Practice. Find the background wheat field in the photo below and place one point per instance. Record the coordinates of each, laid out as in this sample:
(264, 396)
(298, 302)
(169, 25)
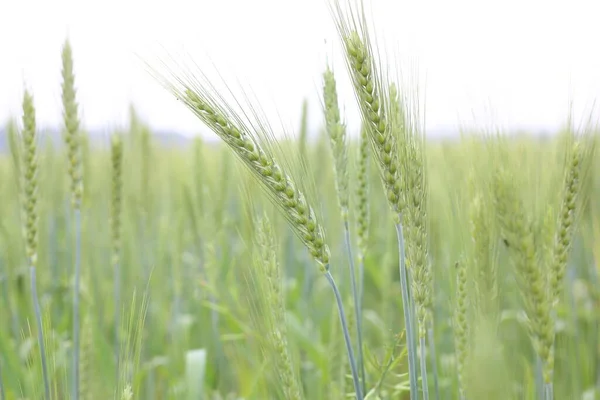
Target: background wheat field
(179, 273)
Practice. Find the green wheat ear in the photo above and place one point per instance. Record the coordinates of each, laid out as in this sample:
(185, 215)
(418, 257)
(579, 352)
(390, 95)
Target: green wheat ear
(30, 182)
(362, 193)
(374, 107)
(71, 121)
(337, 139)
(115, 225)
(566, 220)
(517, 226)
(278, 185)
(372, 95)
(461, 326)
(269, 283)
(249, 141)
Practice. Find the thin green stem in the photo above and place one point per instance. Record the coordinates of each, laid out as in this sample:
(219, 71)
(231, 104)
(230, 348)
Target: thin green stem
(2, 394)
(117, 321)
(38, 319)
(539, 379)
(76, 327)
(361, 292)
(340, 305)
(549, 391)
(357, 307)
(431, 339)
(571, 276)
(408, 320)
(423, 357)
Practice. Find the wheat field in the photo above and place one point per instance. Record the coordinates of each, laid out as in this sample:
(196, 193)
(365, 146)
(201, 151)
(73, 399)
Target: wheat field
(369, 263)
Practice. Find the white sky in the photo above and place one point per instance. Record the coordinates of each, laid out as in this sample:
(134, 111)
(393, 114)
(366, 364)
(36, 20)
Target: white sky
(522, 59)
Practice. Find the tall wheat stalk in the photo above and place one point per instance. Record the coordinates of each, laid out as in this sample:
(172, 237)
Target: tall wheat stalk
(2, 391)
(517, 226)
(415, 190)
(73, 142)
(336, 131)
(115, 224)
(30, 205)
(370, 88)
(578, 162)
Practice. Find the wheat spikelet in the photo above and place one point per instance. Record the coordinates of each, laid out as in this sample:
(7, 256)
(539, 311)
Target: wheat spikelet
(115, 225)
(460, 325)
(279, 186)
(566, 223)
(373, 103)
(71, 121)
(483, 244)
(362, 194)
(518, 229)
(30, 178)
(268, 309)
(337, 139)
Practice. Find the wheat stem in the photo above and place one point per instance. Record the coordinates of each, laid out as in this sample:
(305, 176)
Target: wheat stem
(73, 142)
(357, 310)
(76, 312)
(340, 306)
(2, 393)
(423, 359)
(409, 320)
(431, 339)
(38, 320)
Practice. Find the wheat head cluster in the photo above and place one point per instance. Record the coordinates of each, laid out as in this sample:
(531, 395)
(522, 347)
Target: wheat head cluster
(367, 262)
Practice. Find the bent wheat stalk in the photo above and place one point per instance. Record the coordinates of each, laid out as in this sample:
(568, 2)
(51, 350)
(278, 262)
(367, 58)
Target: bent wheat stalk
(245, 140)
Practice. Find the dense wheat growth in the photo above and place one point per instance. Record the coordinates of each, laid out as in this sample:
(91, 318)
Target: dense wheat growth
(366, 262)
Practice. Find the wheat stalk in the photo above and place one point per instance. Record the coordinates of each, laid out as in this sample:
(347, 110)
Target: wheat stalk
(243, 139)
(30, 204)
(73, 142)
(339, 149)
(371, 93)
(115, 224)
(579, 158)
(517, 227)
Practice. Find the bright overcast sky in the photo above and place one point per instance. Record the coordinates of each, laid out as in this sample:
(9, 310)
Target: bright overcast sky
(516, 63)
